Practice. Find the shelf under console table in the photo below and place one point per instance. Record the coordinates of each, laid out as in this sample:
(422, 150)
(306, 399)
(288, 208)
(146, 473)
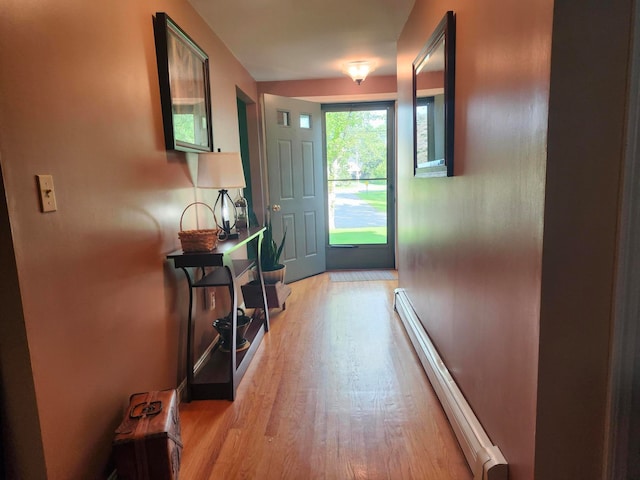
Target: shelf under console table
(218, 377)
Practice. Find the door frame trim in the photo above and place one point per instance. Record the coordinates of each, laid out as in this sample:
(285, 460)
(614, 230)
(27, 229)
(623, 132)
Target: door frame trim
(625, 364)
(354, 259)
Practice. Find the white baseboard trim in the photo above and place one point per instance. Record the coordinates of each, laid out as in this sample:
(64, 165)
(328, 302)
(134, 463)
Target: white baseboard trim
(181, 388)
(204, 357)
(485, 459)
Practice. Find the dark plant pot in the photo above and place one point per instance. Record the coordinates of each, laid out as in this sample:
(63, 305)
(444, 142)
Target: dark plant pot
(223, 326)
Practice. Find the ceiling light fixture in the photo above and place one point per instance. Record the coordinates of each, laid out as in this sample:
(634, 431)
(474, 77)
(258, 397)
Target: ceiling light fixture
(358, 71)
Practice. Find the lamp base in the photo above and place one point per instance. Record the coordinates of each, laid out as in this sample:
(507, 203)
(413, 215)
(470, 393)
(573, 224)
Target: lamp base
(224, 235)
(224, 201)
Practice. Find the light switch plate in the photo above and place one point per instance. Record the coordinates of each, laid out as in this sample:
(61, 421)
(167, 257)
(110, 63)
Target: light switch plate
(212, 298)
(47, 193)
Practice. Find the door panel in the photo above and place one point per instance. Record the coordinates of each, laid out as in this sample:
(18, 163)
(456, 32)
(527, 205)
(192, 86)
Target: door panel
(289, 225)
(310, 229)
(308, 177)
(295, 173)
(285, 162)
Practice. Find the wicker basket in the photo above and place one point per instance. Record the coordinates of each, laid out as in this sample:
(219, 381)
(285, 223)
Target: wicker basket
(197, 240)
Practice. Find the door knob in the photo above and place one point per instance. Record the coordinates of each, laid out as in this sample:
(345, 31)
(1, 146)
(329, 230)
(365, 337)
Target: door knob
(275, 208)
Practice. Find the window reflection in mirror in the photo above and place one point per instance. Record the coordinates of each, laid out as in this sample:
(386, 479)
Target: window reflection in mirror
(187, 77)
(430, 109)
(433, 102)
(185, 94)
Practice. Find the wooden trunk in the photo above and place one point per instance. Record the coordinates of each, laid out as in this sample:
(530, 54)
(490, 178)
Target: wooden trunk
(147, 444)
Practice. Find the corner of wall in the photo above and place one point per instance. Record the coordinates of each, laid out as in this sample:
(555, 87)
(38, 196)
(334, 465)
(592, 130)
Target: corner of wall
(19, 420)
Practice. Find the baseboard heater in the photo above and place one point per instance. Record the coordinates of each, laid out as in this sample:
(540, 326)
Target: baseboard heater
(485, 459)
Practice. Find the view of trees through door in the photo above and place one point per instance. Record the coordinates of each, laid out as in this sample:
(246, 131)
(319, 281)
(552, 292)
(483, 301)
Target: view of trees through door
(359, 166)
(356, 142)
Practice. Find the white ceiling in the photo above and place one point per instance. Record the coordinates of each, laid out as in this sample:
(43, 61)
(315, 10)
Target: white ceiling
(307, 39)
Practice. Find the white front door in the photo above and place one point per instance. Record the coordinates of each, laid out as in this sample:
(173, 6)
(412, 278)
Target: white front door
(296, 183)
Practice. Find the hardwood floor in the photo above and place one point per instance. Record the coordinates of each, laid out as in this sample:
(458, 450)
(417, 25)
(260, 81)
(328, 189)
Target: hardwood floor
(335, 392)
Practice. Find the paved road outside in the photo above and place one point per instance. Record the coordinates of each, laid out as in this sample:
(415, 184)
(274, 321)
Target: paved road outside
(352, 212)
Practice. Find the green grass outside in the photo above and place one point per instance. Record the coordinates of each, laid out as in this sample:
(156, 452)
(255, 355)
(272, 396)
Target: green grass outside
(364, 235)
(354, 236)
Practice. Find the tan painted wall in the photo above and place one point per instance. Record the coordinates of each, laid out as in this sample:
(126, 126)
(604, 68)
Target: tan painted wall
(104, 313)
(328, 87)
(510, 264)
(470, 246)
(99, 313)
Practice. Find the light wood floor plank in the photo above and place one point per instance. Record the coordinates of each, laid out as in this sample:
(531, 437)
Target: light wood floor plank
(335, 391)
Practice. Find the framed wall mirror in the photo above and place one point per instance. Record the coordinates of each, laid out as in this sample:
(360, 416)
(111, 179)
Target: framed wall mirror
(183, 72)
(433, 102)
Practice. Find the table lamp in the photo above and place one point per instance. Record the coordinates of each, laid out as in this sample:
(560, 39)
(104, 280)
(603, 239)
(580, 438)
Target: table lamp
(222, 170)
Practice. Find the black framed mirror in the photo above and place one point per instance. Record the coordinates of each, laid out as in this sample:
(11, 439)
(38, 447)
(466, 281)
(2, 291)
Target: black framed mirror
(183, 72)
(433, 102)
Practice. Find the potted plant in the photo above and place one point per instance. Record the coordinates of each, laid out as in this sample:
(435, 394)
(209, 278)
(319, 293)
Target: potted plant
(276, 291)
(272, 270)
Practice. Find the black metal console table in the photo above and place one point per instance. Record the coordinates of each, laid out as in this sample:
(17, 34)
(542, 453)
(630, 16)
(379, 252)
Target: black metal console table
(220, 374)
